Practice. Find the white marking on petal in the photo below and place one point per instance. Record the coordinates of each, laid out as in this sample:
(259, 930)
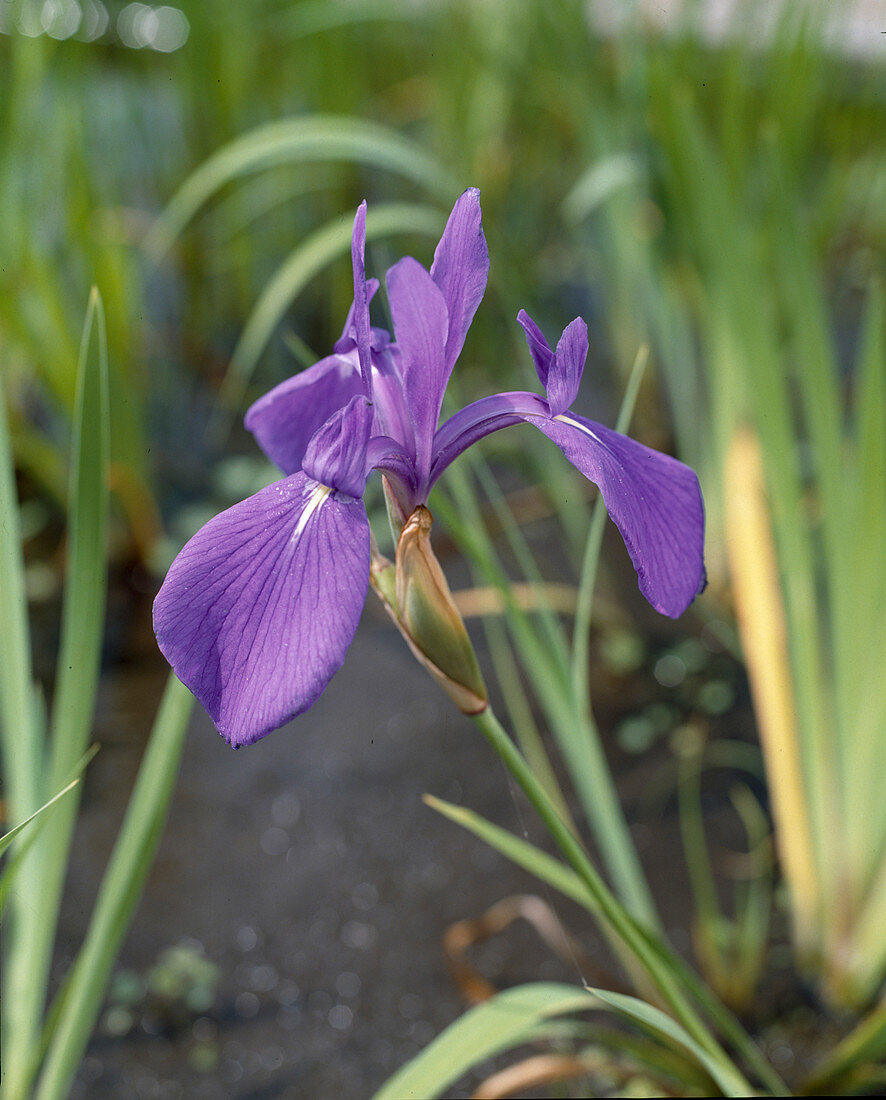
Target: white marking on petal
(575, 424)
(318, 494)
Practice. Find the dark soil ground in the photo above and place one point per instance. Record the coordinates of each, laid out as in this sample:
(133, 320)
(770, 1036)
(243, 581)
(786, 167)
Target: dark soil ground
(308, 871)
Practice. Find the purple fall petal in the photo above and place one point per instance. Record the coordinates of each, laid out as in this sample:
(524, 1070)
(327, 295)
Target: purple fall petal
(460, 270)
(284, 420)
(654, 500)
(420, 327)
(258, 610)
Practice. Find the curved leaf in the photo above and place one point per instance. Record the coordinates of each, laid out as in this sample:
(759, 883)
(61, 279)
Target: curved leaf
(502, 1022)
(312, 138)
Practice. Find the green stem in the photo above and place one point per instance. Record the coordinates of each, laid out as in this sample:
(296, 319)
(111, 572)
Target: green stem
(611, 909)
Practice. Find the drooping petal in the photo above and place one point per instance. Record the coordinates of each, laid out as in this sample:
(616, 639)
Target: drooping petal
(284, 420)
(258, 610)
(460, 270)
(479, 419)
(420, 326)
(336, 454)
(654, 500)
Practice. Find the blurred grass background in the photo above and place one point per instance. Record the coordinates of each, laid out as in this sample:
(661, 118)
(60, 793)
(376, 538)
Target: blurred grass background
(716, 192)
(655, 181)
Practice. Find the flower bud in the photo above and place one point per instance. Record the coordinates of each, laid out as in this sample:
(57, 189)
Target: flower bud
(427, 616)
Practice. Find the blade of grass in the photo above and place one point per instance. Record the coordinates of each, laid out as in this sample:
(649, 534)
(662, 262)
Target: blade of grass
(82, 621)
(634, 937)
(22, 751)
(118, 896)
(9, 871)
(863, 705)
(577, 738)
(730, 1082)
(81, 634)
(507, 1020)
(311, 138)
(9, 837)
(520, 714)
(864, 1044)
(521, 852)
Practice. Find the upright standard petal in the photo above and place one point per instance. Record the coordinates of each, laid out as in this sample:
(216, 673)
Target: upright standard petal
(420, 326)
(559, 372)
(654, 500)
(460, 270)
(361, 297)
(541, 353)
(284, 420)
(258, 610)
(569, 364)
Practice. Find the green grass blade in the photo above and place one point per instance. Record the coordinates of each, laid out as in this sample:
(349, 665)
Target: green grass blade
(298, 140)
(312, 255)
(22, 752)
(860, 687)
(730, 1081)
(864, 1044)
(501, 1023)
(78, 664)
(14, 863)
(119, 893)
(521, 852)
(642, 944)
(81, 633)
(9, 837)
(574, 730)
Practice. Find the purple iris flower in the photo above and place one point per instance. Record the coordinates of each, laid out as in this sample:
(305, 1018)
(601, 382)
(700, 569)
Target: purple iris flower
(259, 608)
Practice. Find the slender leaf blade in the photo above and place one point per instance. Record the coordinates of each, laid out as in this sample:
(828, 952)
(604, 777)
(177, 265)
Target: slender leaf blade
(502, 1022)
(119, 893)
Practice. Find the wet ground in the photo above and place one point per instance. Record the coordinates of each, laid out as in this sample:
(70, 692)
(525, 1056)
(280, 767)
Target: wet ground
(308, 871)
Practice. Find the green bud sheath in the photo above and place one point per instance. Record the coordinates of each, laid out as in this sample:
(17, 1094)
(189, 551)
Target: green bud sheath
(429, 619)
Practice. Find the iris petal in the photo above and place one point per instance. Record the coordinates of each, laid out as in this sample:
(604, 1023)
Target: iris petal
(654, 500)
(258, 610)
(420, 326)
(460, 270)
(284, 420)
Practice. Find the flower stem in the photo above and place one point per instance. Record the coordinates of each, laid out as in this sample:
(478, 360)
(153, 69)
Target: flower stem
(635, 938)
